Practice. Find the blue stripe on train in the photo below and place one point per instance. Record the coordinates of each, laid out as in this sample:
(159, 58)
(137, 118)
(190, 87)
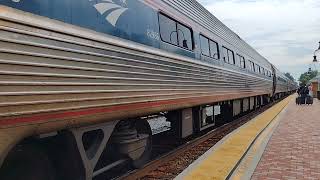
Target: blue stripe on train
(134, 20)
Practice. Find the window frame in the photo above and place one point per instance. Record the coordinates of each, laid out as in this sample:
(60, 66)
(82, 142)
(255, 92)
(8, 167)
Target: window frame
(160, 13)
(238, 57)
(191, 35)
(202, 36)
(218, 50)
(225, 54)
(228, 50)
(257, 67)
(253, 67)
(210, 47)
(242, 61)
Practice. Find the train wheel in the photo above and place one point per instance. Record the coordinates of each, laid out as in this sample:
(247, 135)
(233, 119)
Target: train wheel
(143, 127)
(27, 163)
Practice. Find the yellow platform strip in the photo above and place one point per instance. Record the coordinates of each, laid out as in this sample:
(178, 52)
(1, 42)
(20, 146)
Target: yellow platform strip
(248, 164)
(220, 163)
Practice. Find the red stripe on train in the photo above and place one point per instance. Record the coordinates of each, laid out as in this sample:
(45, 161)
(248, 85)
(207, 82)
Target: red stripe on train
(78, 113)
(46, 117)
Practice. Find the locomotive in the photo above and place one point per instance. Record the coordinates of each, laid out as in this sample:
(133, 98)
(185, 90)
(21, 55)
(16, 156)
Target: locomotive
(79, 79)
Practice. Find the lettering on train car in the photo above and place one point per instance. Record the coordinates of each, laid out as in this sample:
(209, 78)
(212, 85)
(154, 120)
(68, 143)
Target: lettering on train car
(153, 35)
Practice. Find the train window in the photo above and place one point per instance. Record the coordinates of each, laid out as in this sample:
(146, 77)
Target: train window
(242, 63)
(168, 30)
(175, 33)
(184, 37)
(228, 55)
(260, 70)
(214, 50)
(256, 68)
(253, 67)
(210, 48)
(225, 55)
(248, 65)
(204, 42)
(231, 57)
(237, 59)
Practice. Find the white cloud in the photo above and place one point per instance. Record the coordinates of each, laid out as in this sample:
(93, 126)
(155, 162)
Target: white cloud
(286, 32)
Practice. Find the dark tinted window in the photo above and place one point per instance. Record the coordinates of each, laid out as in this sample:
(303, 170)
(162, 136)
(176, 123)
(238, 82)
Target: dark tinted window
(184, 37)
(256, 68)
(225, 55)
(242, 63)
(175, 33)
(237, 59)
(204, 42)
(228, 56)
(231, 57)
(168, 30)
(214, 50)
(250, 65)
(253, 67)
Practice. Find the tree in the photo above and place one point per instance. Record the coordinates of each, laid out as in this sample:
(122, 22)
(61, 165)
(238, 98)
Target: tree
(288, 75)
(307, 76)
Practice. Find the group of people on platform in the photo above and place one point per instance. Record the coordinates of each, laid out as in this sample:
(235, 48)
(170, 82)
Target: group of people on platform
(305, 95)
(304, 90)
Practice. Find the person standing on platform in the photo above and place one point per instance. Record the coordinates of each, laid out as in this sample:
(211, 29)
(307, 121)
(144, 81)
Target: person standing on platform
(299, 90)
(310, 91)
(304, 92)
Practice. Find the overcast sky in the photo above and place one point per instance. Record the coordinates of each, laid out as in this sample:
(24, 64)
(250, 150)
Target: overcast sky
(286, 32)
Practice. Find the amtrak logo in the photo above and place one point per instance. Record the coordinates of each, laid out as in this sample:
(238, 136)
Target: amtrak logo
(113, 8)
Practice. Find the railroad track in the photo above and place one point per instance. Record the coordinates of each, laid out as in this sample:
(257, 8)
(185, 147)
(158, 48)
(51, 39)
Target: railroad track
(169, 165)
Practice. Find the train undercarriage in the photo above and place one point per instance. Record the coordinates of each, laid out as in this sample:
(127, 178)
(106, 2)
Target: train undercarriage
(91, 152)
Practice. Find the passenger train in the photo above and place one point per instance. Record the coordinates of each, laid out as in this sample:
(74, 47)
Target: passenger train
(79, 79)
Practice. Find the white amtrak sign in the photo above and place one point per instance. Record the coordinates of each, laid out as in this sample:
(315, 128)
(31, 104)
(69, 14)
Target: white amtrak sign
(114, 9)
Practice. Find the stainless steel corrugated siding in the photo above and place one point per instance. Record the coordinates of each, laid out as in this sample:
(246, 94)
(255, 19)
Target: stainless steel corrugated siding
(49, 71)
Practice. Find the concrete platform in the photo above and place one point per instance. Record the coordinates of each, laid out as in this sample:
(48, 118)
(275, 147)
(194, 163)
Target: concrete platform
(281, 143)
(293, 152)
(237, 155)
